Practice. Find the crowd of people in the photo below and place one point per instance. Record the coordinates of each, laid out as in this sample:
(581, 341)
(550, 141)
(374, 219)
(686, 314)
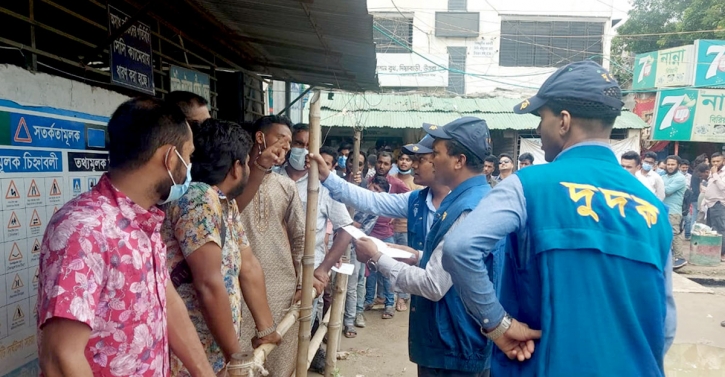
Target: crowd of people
(189, 250)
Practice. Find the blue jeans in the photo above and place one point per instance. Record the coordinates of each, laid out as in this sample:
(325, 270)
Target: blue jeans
(355, 291)
(687, 225)
(430, 372)
(372, 282)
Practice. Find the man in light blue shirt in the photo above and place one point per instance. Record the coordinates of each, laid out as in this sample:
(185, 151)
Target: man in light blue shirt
(675, 187)
(588, 261)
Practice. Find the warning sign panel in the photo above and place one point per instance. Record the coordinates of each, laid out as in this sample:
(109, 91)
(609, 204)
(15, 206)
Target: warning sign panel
(34, 282)
(54, 187)
(18, 316)
(4, 324)
(16, 258)
(33, 247)
(14, 222)
(36, 221)
(13, 190)
(36, 193)
(18, 286)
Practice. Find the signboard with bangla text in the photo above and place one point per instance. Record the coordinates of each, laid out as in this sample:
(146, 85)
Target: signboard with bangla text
(132, 65)
(47, 157)
(710, 65)
(190, 81)
(411, 70)
(690, 115)
(674, 66)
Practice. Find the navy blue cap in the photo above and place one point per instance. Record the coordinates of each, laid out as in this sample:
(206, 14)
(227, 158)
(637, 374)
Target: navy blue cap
(424, 146)
(585, 80)
(471, 132)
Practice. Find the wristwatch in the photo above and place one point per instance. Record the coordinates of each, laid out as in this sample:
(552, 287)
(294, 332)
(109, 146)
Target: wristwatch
(372, 265)
(267, 331)
(500, 330)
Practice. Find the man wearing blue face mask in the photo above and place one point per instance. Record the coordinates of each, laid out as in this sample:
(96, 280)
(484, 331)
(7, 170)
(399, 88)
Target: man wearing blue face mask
(103, 277)
(651, 179)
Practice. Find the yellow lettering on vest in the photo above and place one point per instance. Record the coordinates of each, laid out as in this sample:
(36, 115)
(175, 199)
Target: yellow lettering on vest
(577, 192)
(649, 212)
(615, 198)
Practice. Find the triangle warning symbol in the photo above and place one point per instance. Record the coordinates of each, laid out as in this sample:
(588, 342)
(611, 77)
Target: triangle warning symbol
(14, 223)
(55, 188)
(35, 220)
(18, 315)
(15, 254)
(12, 192)
(17, 282)
(36, 247)
(36, 277)
(22, 129)
(33, 191)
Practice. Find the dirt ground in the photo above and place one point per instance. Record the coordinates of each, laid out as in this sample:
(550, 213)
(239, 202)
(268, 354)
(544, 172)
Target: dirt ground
(381, 348)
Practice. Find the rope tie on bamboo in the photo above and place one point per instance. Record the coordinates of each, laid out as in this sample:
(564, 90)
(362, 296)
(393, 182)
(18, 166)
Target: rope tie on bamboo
(308, 260)
(244, 365)
(309, 316)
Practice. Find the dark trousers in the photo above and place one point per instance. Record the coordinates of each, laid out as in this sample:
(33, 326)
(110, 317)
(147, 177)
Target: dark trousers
(430, 372)
(716, 220)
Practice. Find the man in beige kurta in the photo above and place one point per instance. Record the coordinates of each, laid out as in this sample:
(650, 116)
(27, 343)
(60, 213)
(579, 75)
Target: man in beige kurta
(275, 222)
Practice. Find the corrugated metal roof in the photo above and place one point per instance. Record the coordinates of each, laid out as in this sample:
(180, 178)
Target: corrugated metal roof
(411, 110)
(325, 43)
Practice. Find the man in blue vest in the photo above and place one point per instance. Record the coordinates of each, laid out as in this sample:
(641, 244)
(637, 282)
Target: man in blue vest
(443, 339)
(589, 259)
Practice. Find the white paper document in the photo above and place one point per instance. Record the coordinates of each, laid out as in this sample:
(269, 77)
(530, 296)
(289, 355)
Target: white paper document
(345, 269)
(382, 247)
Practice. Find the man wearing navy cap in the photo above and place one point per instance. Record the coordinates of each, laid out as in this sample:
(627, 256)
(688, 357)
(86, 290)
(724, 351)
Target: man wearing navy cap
(443, 340)
(601, 297)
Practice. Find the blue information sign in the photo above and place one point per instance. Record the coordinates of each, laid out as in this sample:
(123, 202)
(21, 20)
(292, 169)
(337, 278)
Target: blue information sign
(30, 161)
(190, 81)
(131, 63)
(39, 131)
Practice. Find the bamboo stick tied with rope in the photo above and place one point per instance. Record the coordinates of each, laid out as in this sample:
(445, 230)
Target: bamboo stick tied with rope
(308, 260)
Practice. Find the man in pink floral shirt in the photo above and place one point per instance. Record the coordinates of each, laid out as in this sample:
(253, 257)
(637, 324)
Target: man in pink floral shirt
(106, 306)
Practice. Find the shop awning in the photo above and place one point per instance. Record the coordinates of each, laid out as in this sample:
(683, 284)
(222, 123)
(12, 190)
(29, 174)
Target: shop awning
(325, 43)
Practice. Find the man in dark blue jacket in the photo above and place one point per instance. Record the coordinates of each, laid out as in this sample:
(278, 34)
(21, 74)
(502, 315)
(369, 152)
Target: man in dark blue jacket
(443, 339)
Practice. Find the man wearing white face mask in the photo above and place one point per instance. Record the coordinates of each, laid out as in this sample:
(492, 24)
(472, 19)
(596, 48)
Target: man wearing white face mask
(327, 209)
(649, 177)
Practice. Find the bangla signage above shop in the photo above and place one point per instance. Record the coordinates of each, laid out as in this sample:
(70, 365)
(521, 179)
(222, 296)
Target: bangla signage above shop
(690, 115)
(665, 68)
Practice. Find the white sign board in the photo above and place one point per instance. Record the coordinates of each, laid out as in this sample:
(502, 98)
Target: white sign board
(412, 70)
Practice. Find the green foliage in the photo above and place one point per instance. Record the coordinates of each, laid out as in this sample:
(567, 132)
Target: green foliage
(659, 24)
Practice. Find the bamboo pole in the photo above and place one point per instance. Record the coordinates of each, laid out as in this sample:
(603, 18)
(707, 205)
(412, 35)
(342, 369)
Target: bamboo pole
(316, 341)
(337, 307)
(246, 364)
(308, 260)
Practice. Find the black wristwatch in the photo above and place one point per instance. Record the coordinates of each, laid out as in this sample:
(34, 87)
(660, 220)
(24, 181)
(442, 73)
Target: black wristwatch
(372, 265)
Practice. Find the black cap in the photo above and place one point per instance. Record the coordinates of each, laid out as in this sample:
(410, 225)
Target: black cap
(471, 132)
(586, 81)
(424, 146)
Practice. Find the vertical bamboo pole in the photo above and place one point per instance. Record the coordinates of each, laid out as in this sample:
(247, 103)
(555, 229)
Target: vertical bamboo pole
(308, 260)
(337, 307)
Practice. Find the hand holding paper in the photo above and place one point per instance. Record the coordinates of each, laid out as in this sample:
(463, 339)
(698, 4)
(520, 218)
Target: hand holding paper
(382, 247)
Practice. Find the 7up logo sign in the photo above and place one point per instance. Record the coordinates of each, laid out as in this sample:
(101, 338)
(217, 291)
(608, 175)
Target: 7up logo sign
(717, 64)
(675, 114)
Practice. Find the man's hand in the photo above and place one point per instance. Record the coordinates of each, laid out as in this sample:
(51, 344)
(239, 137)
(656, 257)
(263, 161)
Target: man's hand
(298, 296)
(357, 178)
(410, 261)
(322, 277)
(365, 249)
(321, 165)
(518, 341)
(274, 154)
(273, 338)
